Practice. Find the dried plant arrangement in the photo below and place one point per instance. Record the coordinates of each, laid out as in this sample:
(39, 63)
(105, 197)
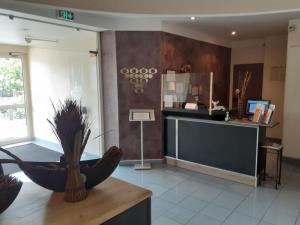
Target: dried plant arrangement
(72, 130)
(73, 176)
(9, 189)
(241, 92)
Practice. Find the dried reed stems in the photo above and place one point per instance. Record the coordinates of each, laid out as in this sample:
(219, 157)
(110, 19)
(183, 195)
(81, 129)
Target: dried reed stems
(245, 84)
(9, 189)
(7, 181)
(72, 130)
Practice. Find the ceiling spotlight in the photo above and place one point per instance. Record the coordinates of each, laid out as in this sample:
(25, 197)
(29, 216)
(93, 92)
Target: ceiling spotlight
(193, 18)
(233, 33)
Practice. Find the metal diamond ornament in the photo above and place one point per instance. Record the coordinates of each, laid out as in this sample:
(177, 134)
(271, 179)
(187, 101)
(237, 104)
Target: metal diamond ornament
(138, 77)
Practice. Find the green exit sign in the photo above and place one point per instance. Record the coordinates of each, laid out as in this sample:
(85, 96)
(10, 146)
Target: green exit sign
(65, 15)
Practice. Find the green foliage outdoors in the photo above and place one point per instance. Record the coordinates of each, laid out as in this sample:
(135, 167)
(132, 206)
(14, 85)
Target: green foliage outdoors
(11, 79)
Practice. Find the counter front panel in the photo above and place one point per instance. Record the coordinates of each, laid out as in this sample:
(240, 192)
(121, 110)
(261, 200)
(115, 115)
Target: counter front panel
(223, 146)
(170, 138)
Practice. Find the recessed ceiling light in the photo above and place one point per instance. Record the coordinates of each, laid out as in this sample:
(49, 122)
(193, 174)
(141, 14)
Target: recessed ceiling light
(233, 33)
(193, 18)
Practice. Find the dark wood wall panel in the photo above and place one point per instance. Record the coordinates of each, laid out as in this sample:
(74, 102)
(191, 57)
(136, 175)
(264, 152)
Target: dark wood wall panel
(162, 51)
(204, 58)
(139, 49)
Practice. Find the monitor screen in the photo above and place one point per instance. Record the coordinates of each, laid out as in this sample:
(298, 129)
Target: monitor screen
(252, 105)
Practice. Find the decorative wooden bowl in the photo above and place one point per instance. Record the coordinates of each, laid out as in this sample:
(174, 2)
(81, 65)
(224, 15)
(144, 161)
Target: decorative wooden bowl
(94, 171)
(9, 190)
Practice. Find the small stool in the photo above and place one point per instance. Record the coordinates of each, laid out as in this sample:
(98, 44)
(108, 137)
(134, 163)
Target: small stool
(277, 149)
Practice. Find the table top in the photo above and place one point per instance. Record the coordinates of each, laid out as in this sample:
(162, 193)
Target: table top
(38, 206)
(245, 121)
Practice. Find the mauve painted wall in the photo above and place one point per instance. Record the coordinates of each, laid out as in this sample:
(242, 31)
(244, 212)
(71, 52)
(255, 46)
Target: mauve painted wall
(162, 51)
(139, 49)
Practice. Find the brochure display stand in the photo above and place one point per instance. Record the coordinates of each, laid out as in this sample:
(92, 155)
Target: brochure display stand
(141, 115)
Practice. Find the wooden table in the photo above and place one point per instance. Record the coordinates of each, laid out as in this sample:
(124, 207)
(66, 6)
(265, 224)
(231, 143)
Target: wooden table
(112, 202)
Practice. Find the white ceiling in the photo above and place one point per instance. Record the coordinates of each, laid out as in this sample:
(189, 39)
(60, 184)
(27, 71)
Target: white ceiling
(14, 31)
(171, 7)
(247, 27)
(252, 26)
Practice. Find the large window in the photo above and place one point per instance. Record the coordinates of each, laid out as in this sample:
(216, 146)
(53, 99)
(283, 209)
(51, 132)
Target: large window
(13, 113)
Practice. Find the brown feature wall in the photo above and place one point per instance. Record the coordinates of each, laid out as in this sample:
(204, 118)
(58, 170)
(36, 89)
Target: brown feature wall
(162, 51)
(204, 58)
(139, 49)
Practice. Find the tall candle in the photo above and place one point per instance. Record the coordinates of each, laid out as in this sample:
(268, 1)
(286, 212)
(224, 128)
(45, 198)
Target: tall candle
(211, 91)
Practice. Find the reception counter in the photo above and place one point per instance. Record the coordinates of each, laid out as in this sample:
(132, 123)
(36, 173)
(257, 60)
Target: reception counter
(225, 149)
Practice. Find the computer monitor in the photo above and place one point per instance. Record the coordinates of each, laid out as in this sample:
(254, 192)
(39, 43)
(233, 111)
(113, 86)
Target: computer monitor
(253, 103)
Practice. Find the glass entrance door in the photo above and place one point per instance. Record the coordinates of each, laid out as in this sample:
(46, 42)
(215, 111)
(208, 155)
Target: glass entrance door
(13, 113)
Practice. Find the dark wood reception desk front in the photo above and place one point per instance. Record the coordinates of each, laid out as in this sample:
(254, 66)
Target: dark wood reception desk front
(230, 150)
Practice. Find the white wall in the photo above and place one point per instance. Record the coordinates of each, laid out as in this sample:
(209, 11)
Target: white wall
(270, 51)
(4, 49)
(291, 127)
(273, 83)
(59, 74)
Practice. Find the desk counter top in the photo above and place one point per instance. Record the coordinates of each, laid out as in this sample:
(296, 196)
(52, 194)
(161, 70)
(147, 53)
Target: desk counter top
(38, 206)
(248, 122)
(217, 117)
(237, 122)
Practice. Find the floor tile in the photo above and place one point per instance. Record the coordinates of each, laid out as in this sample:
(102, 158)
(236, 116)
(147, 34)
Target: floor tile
(187, 197)
(157, 190)
(173, 196)
(229, 200)
(288, 205)
(264, 194)
(216, 212)
(159, 207)
(179, 177)
(193, 204)
(207, 193)
(164, 221)
(239, 219)
(167, 182)
(252, 207)
(187, 187)
(201, 219)
(179, 214)
(241, 188)
(279, 218)
(264, 223)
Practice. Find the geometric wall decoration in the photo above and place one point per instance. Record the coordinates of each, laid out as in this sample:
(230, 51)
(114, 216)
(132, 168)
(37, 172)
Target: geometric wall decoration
(138, 77)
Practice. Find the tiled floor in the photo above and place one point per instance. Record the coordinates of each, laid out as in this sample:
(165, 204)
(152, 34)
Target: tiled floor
(185, 197)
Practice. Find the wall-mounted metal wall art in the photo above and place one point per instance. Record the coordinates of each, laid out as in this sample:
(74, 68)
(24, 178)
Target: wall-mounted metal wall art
(138, 77)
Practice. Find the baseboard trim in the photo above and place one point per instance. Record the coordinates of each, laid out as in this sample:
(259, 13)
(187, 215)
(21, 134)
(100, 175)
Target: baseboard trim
(292, 161)
(225, 174)
(132, 162)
